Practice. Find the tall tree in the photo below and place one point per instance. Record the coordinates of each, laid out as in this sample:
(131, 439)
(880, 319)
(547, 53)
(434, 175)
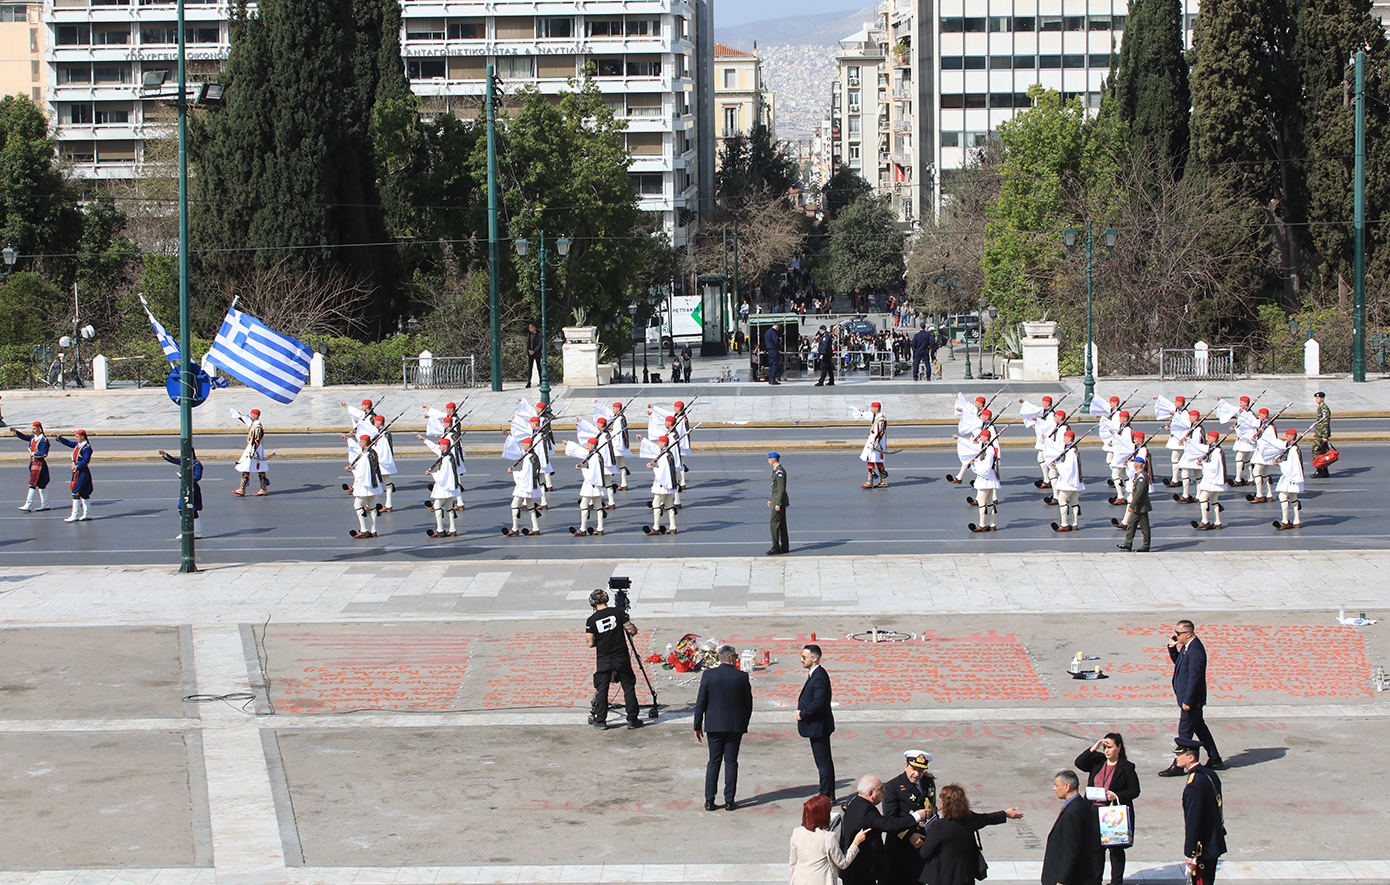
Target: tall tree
(287, 170)
(755, 164)
(843, 188)
(865, 247)
(1246, 120)
(38, 206)
(1151, 87)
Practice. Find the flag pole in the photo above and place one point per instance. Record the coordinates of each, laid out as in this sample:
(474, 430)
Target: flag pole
(188, 565)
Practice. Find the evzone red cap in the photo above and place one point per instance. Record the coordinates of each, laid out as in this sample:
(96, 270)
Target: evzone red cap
(450, 406)
(37, 424)
(1138, 435)
(663, 439)
(1194, 414)
(444, 443)
(875, 405)
(526, 441)
(1061, 416)
(986, 414)
(367, 403)
(537, 420)
(979, 399)
(1180, 400)
(984, 434)
(603, 421)
(1291, 432)
(255, 411)
(1263, 412)
(1069, 433)
(1047, 399)
(378, 419)
(1114, 399)
(79, 433)
(1124, 414)
(593, 440)
(670, 419)
(364, 438)
(1245, 399)
(1212, 434)
(617, 407)
(679, 404)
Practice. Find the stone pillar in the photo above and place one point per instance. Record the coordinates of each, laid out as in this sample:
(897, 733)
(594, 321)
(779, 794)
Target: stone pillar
(101, 373)
(425, 376)
(1201, 360)
(316, 370)
(1040, 358)
(1312, 358)
(581, 356)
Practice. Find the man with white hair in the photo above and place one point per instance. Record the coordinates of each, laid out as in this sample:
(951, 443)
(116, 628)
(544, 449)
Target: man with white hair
(862, 814)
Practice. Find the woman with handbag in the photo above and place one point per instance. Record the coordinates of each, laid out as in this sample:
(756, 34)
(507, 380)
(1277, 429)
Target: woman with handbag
(951, 847)
(816, 858)
(1112, 771)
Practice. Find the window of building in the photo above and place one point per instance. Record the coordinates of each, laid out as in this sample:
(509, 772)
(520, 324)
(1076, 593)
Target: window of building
(999, 24)
(111, 36)
(464, 31)
(951, 100)
(852, 96)
(644, 68)
(1001, 62)
(74, 74)
(1049, 62)
(111, 74)
(555, 67)
(730, 78)
(1074, 23)
(853, 127)
(950, 139)
(952, 62)
(643, 105)
(976, 139)
(976, 100)
(1100, 23)
(852, 72)
(1025, 23)
(643, 27)
(974, 62)
(731, 120)
(1117, 22)
(603, 28)
(644, 144)
(953, 25)
(35, 70)
(112, 116)
(1050, 23)
(609, 67)
(424, 29)
(14, 13)
(647, 184)
(1099, 60)
(72, 35)
(555, 28)
(202, 35)
(680, 27)
(854, 152)
(157, 34)
(75, 113)
(77, 151)
(976, 25)
(1025, 62)
(516, 67)
(515, 28)
(425, 69)
(1073, 61)
(115, 152)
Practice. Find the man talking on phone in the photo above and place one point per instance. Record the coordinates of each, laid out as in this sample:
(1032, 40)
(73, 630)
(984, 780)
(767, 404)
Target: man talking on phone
(1190, 687)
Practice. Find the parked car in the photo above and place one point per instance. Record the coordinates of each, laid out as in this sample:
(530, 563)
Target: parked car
(859, 326)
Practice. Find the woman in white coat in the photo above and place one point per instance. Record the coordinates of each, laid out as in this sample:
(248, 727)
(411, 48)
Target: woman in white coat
(816, 858)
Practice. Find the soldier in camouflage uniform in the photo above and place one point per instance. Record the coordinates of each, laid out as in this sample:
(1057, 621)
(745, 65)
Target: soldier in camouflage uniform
(1322, 433)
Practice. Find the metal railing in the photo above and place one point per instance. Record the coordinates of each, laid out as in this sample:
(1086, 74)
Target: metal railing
(1216, 363)
(438, 372)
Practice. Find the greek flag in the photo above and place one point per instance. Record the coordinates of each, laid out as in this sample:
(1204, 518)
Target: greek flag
(261, 358)
(171, 347)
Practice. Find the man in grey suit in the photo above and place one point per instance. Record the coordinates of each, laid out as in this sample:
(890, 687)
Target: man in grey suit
(722, 710)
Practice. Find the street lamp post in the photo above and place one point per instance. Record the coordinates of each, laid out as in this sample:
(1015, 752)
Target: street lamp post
(1069, 239)
(542, 261)
(10, 256)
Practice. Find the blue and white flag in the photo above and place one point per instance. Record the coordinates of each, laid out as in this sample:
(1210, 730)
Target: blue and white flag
(171, 347)
(260, 357)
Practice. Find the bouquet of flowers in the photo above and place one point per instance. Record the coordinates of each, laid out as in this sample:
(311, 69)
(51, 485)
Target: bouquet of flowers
(692, 653)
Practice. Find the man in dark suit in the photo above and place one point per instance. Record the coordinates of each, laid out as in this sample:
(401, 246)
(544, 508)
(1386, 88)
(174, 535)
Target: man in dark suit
(1074, 841)
(1204, 821)
(1190, 688)
(814, 719)
(910, 792)
(923, 343)
(772, 346)
(862, 813)
(722, 710)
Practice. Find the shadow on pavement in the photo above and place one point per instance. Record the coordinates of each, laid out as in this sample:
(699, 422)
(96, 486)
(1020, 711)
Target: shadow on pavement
(1255, 756)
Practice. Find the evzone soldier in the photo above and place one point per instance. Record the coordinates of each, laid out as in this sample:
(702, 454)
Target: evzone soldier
(361, 418)
(197, 474)
(538, 421)
(1175, 413)
(253, 459)
(1053, 444)
(528, 428)
(1137, 513)
(664, 481)
(678, 428)
(526, 475)
(648, 449)
(385, 448)
(875, 450)
(1213, 483)
(81, 484)
(1193, 453)
(622, 439)
(590, 468)
(1119, 446)
(445, 423)
(1042, 420)
(1068, 486)
(446, 493)
(1246, 429)
(365, 467)
(38, 467)
(984, 462)
(970, 422)
(1290, 482)
(1266, 441)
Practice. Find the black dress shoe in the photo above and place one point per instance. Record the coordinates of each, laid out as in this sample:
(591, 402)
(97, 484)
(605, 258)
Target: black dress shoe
(1216, 764)
(1170, 771)
(635, 723)
(1122, 547)
(731, 805)
(709, 805)
(774, 552)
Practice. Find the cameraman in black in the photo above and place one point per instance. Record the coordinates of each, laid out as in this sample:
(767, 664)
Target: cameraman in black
(606, 631)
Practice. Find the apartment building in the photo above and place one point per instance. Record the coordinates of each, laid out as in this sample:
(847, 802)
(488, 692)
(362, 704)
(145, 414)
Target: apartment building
(652, 60)
(742, 102)
(22, 69)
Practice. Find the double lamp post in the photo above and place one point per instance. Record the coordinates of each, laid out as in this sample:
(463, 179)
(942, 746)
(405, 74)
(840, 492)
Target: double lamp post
(542, 261)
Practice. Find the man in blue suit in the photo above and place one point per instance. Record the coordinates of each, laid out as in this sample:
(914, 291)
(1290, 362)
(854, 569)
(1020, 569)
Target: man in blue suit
(1189, 657)
(722, 710)
(814, 719)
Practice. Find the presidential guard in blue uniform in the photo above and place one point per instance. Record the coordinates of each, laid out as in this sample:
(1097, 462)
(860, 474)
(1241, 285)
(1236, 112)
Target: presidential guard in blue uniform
(38, 467)
(81, 484)
(197, 470)
(1204, 821)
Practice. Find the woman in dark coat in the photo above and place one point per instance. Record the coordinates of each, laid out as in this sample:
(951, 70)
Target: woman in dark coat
(949, 847)
(1111, 769)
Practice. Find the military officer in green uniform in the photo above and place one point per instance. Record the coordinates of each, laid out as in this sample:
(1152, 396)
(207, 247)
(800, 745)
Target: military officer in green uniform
(1137, 519)
(777, 501)
(1203, 816)
(1322, 433)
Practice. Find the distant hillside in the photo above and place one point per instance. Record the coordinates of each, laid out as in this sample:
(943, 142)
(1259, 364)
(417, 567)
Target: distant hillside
(825, 29)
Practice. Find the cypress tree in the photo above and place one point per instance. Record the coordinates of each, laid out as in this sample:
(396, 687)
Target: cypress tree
(1151, 87)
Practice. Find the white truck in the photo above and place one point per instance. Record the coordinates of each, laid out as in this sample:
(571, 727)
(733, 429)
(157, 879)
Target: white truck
(681, 321)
